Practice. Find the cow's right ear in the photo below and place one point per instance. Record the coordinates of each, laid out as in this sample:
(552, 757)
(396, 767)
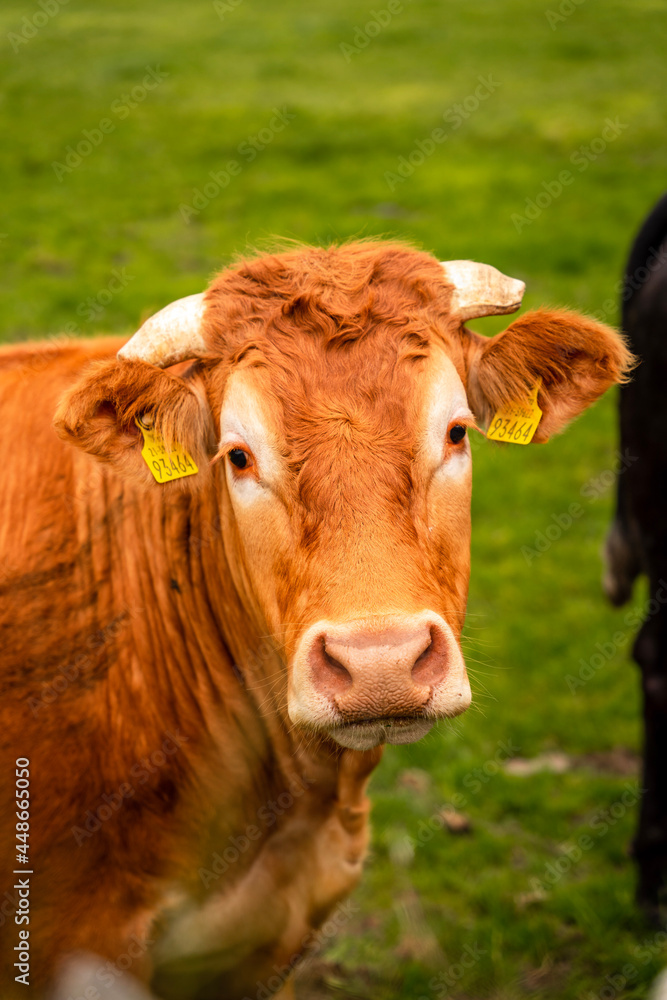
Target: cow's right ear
(570, 358)
(98, 415)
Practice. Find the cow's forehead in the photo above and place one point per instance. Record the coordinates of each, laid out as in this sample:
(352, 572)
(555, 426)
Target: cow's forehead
(266, 405)
(361, 304)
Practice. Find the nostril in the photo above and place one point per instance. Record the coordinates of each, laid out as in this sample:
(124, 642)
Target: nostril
(429, 667)
(329, 674)
(337, 667)
(424, 655)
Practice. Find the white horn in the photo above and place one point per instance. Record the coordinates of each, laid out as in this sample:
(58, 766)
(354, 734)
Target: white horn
(481, 290)
(171, 335)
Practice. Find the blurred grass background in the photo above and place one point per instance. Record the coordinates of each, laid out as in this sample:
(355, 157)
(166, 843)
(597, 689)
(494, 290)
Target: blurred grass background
(558, 72)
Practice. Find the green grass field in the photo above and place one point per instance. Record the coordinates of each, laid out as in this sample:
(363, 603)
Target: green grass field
(97, 240)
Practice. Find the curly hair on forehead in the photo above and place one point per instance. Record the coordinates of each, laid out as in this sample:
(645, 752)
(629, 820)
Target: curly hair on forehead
(336, 296)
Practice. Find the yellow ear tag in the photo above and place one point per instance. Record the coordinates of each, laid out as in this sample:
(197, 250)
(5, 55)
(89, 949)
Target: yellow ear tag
(165, 464)
(517, 422)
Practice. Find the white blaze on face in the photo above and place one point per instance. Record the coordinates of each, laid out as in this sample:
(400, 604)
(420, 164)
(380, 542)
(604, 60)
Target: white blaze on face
(246, 422)
(258, 496)
(444, 403)
(445, 470)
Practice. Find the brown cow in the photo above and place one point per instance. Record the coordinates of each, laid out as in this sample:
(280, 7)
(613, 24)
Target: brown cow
(201, 673)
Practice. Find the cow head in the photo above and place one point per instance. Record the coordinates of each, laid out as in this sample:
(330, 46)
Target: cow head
(328, 409)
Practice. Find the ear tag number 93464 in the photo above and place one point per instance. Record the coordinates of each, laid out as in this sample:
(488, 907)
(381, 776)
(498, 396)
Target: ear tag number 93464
(516, 422)
(165, 463)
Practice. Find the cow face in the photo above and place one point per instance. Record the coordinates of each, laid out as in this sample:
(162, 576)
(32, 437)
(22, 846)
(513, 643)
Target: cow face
(343, 385)
(349, 480)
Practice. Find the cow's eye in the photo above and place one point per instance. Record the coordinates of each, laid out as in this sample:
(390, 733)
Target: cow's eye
(457, 433)
(240, 458)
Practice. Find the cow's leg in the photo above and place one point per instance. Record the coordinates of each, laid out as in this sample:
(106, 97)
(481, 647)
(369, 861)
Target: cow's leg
(650, 844)
(621, 553)
(269, 919)
(354, 771)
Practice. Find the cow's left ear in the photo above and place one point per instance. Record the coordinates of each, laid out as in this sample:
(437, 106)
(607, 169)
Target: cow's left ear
(98, 414)
(573, 358)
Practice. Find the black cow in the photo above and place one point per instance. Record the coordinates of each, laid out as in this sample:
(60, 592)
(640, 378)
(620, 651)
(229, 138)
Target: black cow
(637, 539)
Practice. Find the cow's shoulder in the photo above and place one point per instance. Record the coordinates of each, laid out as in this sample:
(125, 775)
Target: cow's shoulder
(57, 352)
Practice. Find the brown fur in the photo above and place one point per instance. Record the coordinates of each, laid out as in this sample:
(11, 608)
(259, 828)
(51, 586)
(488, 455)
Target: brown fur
(151, 591)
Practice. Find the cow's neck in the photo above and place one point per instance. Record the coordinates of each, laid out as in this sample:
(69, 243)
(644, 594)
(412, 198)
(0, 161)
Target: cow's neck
(193, 658)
